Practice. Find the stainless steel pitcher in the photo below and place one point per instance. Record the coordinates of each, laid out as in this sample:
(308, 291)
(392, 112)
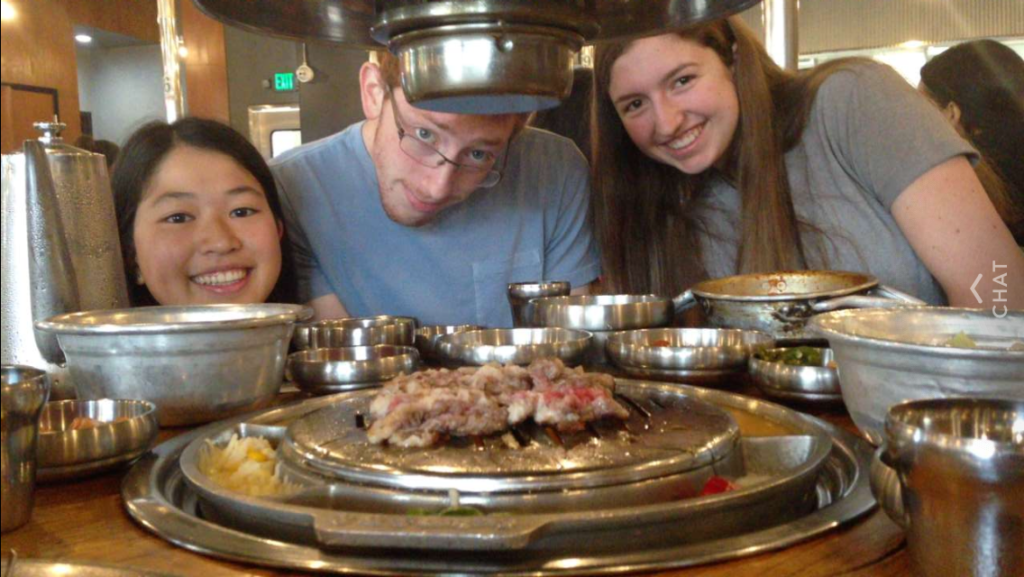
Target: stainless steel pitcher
(61, 251)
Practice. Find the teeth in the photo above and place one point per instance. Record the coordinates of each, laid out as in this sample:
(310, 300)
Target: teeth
(220, 278)
(687, 139)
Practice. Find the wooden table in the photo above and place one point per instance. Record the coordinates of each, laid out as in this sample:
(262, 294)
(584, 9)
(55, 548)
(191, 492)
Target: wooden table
(85, 522)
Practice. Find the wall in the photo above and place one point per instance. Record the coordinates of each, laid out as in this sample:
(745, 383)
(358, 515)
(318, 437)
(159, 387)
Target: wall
(37, 49)
(135, 18)
(331, 102)
(122, 87)
(205, 67)
(253, 59)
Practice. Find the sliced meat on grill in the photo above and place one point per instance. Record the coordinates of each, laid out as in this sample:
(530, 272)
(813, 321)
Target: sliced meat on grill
(418, 410)
(421, 419)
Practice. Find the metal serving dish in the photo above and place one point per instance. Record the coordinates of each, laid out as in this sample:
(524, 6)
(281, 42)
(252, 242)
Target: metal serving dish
(326, 371)
(66, 453)
(602, 315)
(684, 353)
(779, 304)
(662, 536)
(890, 356)
(358, 495)
(521, 293)
(195, 363)
(356, 332)
(428, 337)
(513, 346)
(802, 384)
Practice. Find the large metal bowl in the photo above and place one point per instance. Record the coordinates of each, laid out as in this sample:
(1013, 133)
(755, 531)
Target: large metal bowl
(356, 332)
(684, 352)
(196, 363)
(890, 356)
(327, 371)
(811, 384)
(125, 430)
(428, 337)
(513, 346)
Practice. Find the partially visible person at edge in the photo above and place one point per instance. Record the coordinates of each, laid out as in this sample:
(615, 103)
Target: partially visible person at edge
(713, 161)
(979, 86)
(108, 149)
(571, 118)
(431, 215)
(199, 218)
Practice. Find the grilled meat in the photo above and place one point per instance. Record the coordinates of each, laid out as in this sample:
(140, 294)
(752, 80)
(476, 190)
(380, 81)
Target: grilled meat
(420, 409)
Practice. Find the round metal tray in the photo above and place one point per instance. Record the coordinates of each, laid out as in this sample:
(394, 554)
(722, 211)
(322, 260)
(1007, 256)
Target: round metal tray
(157, 496)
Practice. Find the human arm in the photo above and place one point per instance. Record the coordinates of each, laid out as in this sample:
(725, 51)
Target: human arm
(958, 235)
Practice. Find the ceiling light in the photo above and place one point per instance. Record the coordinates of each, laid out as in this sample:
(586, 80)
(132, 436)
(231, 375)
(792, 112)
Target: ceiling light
(7, 12)
(182, 49)
(83, 38)
(912, 44)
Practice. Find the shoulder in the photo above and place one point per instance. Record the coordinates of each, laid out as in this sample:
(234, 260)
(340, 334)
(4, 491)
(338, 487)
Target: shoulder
(318, 151)
(862, 78)
(548, 157)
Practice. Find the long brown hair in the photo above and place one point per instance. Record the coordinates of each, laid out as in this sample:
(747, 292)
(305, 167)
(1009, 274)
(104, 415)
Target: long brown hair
(644, 210)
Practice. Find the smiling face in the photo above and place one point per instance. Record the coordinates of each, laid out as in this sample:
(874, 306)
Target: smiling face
(204, 233)
(414, 189)
(677, 101)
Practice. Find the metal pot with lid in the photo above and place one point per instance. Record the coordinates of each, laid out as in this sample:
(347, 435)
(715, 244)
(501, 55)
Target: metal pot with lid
(61, 250)
(781, 303)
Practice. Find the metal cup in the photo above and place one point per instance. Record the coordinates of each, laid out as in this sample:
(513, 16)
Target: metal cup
(520, 294)
(24, 393)
(960, 464)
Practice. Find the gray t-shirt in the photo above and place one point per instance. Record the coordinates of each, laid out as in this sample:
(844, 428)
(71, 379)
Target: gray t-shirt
(532, 226)
(869, 136)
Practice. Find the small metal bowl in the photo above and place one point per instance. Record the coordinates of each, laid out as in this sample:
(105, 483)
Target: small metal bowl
(338, 370)
(514, 346)
(602, 312)
(356, 332)
(65, 453)
(683, 353)
(428, 337)
(521, 293)
(803, 384)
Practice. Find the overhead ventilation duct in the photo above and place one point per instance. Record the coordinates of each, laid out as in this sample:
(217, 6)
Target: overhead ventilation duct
(473, 56)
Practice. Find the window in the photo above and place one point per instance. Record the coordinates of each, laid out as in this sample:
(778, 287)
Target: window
(281, 141)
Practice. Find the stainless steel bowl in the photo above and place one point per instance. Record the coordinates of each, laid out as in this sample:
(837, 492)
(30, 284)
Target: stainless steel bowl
(327, 371)
(196, 364)
(521, 293)
(603, 312)
(960, 466)
(803, 384)
(67, 453)
(667, 353)
(427, 338)
(514, 346)
(356, 332)
(890, 356)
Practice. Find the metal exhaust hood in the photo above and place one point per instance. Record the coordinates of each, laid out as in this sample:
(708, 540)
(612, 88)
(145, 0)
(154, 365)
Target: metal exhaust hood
(473, 56)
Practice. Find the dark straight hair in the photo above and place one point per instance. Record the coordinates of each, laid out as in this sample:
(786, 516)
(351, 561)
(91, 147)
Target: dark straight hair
(140, 158)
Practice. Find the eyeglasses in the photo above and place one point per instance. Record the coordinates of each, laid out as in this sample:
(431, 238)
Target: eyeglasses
(475, 163)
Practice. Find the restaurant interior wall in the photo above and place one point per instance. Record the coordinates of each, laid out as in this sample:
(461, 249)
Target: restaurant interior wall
(205, 66)
(37, 50)
(331, 102)
(121, 87)
(252, 61)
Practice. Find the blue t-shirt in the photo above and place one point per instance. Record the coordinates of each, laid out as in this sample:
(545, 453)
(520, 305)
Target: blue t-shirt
(455, 270)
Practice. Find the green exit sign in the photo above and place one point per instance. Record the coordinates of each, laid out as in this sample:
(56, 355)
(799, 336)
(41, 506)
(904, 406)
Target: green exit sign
(284, 82)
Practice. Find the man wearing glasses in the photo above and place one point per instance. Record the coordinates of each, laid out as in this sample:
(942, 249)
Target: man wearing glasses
(431, 215)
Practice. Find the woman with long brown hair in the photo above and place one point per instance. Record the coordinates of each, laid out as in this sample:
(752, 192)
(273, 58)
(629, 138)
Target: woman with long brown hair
(712, 161)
